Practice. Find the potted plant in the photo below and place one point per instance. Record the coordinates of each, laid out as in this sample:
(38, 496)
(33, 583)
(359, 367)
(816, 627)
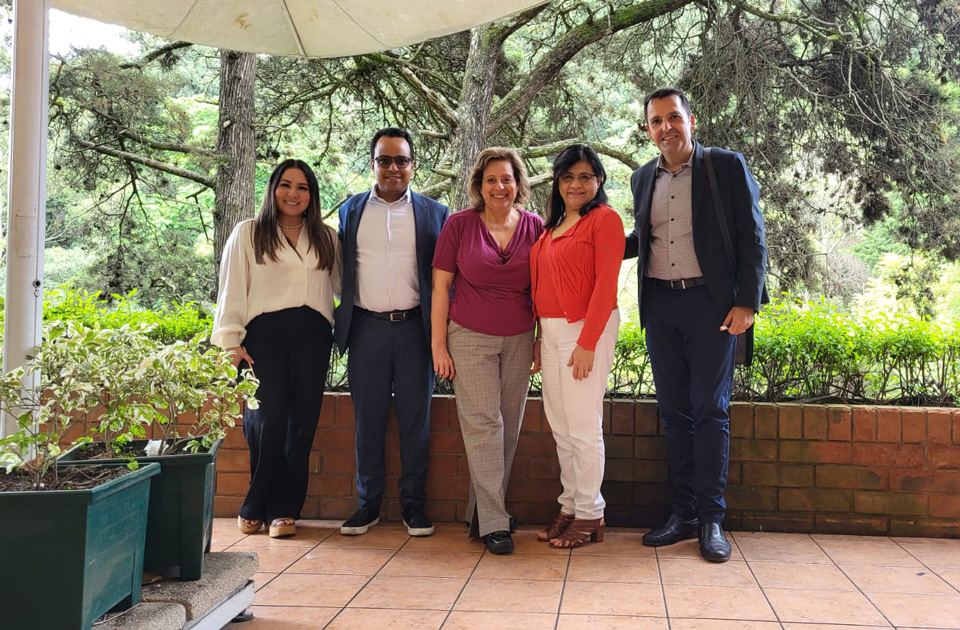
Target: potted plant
(185, 396)
(75, 535)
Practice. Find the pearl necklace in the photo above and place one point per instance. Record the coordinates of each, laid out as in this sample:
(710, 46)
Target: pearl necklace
(290, 227)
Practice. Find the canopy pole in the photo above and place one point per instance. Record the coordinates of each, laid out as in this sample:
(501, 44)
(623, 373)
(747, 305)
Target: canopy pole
(26, 188)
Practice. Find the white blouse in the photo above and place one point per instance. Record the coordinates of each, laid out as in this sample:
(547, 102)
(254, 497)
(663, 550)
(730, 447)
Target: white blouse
(248, 289)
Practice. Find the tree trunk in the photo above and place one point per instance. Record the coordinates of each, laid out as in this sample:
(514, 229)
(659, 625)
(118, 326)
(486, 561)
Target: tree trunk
(235, 147)
(473, 114)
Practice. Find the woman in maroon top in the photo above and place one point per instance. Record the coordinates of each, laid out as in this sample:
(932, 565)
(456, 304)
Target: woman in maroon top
(483, 330)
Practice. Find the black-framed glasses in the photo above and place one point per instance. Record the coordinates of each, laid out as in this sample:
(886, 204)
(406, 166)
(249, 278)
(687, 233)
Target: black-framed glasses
(384, 161)
(583, 178)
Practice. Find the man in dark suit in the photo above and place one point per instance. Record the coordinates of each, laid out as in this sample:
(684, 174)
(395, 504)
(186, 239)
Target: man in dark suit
(388, 236)
(696, 295)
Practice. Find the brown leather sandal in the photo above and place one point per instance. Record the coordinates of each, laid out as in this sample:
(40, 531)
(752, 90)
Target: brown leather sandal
(559, 525)
(283, 527)
(580, 531)
(248, 526)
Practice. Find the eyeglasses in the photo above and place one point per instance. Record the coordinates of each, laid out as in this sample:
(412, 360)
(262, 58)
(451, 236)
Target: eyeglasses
(384, 161)
(583, 178)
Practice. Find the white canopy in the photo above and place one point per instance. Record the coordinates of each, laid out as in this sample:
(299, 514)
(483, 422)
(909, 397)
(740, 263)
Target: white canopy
(309, 28)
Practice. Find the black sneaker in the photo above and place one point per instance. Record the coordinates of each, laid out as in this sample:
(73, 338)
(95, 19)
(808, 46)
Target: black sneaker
(362, 520)
(417, 522)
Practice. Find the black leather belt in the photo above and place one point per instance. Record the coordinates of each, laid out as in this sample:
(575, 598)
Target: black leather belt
(392, 316)
(678, 285)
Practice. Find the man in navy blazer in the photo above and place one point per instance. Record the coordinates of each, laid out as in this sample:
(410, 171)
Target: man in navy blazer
(696, 295)
(388, 235)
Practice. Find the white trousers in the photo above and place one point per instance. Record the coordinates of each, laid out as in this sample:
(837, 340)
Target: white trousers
(575, 411)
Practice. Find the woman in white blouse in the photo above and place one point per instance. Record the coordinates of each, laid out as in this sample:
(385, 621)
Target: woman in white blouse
(278, 276)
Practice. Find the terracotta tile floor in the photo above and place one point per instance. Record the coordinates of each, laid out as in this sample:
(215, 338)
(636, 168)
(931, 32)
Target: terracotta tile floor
(386, 580)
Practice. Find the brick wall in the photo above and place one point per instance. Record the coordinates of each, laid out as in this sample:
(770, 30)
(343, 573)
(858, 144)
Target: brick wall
(806, 468)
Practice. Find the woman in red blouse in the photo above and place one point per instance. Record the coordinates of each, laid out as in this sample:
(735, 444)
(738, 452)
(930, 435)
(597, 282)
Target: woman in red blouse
(574, 270)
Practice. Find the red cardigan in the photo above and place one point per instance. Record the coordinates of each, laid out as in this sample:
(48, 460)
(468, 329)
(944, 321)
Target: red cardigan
(584, 266)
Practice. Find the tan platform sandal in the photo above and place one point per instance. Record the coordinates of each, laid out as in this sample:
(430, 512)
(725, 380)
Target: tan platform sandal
(560, 524)
(579, 532)
(283, 527)
(248, 526)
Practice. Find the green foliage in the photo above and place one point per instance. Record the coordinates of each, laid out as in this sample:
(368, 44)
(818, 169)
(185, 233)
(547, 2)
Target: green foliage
(179, 322)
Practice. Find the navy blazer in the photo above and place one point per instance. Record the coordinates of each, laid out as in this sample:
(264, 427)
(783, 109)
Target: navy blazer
(739, 192)
(429, 217)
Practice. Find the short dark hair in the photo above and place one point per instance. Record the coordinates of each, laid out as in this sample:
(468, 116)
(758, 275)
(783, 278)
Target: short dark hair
(665, 93)
(564, 162)
(391, 132)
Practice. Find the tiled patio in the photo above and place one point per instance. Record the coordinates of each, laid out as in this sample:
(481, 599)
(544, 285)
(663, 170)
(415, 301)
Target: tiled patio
(386, 580)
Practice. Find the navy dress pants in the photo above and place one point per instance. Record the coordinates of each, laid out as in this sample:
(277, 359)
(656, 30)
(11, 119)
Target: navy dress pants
(692, 362)
(390, 358)
(291, 355)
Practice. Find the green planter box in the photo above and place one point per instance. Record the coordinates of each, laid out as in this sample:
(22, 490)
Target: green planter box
(70, 556)
(180, 523)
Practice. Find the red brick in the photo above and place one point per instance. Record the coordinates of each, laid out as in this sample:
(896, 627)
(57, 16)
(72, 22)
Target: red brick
(531, 417)
(864, 424)
(850, 524)
(226, 507)
(231, 460)
(652, 494)
(344, 416)
(814, 422)
(532, 490)
(446, 443)
(902, 503)
(619, 470)
(619, 446)
(545, 468)
(765, 421)
(621, 417)
(442, 464)
(751, 498)
(853, 477)
(741, 420)
(520, 469)
(945, 505)
(777, 522)
(956, 426)
(529, 444)
(328, 411)
(943, 456)
(914, 426)
(606, 417)
(650, 471)
(330, 486)
(743, 450)
(645, 419)
(233, 483)
(650, 448)
(888, 424)
(939, 426)
(311, 508)
(931, 528)
(337, 509)
(784, 475)
(898, 455)
(839, 423)
(547, 444)
(394, 464)
(338, 462)
(334, 440)
(442, 511)
(440, 413)
(449, 489)
(234, 439)
(735, 473)
(791, 422)
(810, 500)
(815, 452)
(913, 480)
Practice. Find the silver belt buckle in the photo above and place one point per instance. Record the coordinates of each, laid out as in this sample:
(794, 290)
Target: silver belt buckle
(398, 316)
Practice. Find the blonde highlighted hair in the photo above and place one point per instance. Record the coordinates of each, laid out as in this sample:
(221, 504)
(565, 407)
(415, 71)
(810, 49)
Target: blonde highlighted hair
(494, 154)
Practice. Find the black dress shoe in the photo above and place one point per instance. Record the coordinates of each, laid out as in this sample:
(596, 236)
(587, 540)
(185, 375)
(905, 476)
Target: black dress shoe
(673, 531)
(713, 544)
(499, 542)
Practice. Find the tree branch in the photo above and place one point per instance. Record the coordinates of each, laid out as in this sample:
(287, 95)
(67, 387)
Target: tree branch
(574, 41)
(159, 52)
(207, 181)
(166, 146)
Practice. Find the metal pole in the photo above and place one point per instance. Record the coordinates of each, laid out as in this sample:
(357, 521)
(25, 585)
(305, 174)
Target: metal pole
(27, 187)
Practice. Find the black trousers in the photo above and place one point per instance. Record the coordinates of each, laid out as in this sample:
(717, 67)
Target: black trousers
(291, 355)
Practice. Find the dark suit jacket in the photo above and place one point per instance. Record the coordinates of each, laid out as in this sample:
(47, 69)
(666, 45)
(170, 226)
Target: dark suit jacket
(739, 192)
(429, 217)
